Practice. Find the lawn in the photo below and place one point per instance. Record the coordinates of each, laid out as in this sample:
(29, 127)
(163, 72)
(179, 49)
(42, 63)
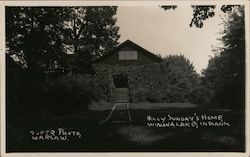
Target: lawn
(135, 136)
(143, 105)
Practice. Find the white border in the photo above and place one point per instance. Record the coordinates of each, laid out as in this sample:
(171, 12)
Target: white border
(2, 74)
(247, 102)
(120, 3)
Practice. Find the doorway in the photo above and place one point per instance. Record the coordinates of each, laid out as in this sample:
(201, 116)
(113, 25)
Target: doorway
(121, 80)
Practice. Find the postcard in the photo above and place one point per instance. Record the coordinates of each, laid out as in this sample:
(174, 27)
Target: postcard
(127, 78)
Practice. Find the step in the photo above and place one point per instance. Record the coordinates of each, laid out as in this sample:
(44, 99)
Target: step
(116, 122)
(119, 119)
(119, 114)
(120, 109)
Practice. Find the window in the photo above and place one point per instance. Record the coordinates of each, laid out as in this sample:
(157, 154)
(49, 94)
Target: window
(128, 55)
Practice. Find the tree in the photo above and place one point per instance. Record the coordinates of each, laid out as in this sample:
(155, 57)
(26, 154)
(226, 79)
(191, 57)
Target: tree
(38, 35)
(224, 77)
(90, 33)
(33, 34)
(172, 80)
(202, 12)
(181, 79)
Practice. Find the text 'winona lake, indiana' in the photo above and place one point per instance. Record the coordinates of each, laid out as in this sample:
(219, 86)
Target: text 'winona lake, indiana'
(190, 121)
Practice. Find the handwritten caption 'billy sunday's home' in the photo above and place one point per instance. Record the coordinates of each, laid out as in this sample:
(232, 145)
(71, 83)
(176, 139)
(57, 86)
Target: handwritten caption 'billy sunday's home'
(192, 121)
(59, 134)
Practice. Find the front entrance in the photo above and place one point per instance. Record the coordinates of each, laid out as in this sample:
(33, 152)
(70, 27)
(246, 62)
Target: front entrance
(121, 80)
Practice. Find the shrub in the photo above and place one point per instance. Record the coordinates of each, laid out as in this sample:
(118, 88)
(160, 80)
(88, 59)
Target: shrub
(33, 97)
(70, 91)
(139, 95)
(173, 80)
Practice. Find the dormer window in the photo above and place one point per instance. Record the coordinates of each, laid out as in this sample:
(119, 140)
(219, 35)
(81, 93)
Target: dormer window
(128, 55)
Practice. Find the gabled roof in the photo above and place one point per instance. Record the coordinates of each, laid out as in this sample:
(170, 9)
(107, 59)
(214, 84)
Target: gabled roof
(132, 45)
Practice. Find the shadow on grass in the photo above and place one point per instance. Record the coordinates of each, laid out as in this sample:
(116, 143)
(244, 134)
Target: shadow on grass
(125, 138)
(140, 135)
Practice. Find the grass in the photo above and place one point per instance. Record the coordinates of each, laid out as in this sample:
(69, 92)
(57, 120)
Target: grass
(143, 105)
(140, 135)
(219, 139)
(129, 137)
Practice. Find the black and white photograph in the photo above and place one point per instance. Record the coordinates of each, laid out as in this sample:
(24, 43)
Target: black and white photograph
(115, 77)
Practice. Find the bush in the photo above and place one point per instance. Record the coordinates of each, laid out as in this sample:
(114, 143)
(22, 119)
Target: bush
(33, 97)
(173, 80)
(70, 91)
(139, 95)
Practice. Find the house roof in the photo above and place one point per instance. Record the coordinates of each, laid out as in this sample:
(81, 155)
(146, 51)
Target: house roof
(132, 45)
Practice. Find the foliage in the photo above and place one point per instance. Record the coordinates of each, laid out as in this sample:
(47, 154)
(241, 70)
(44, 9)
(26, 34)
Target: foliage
(183, 75)
(33, 34)
(76, 88)
(92, 29)
(224, 77)
(202, 12)
(102, 83)
(169, 7)
(37, 36)
(65, 95)
(90, 33)
(173, 80)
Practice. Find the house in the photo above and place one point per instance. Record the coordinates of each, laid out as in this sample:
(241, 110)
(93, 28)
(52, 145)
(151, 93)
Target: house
(126, 54)
(129, 53)
(121, 61)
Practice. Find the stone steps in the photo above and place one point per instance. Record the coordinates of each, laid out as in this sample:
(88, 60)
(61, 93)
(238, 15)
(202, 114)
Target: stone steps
(120, 95)
(119, 114)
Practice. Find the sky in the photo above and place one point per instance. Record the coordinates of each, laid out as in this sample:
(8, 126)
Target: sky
(168, 32)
